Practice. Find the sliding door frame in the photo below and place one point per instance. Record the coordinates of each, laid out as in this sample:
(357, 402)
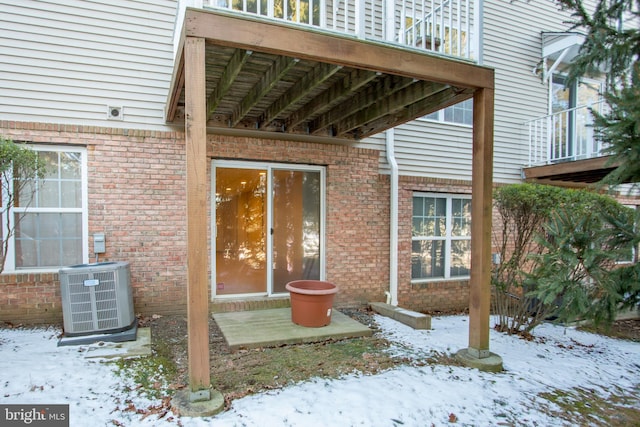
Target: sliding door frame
(269, 168)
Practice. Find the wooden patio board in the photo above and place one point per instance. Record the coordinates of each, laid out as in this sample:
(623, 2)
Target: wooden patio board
(273, 327)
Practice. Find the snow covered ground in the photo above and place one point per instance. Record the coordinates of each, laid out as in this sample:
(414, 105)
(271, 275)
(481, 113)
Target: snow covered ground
(33, 370)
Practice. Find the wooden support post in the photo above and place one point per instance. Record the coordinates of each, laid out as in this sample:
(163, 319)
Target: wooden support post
(196, 161)
(481, 215)
(477, 355)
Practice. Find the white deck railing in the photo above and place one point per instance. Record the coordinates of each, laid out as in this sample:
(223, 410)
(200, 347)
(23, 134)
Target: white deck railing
(563, 136)
(444, 26)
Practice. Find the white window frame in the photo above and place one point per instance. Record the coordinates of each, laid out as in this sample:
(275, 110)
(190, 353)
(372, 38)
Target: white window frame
(447, 238)
(440, 116)
(269, 167)
(10, 264)
(634, 249)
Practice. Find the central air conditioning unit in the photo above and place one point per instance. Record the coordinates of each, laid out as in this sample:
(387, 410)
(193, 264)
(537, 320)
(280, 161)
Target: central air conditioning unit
(96, 298)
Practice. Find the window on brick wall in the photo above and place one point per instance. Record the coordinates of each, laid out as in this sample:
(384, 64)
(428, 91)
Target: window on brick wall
(441, 237)
(631, 252)
(50, 215)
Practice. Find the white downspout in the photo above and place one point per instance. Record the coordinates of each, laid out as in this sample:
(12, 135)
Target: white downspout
(392, 295)
(392, 298)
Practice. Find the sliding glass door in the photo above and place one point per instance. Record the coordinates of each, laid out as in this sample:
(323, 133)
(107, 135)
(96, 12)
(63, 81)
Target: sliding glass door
(296, 226)
(240, 231)
(266, 216)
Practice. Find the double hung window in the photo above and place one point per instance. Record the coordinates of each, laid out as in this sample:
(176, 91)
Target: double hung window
(441, 237)
(49, 217)
(460, 113)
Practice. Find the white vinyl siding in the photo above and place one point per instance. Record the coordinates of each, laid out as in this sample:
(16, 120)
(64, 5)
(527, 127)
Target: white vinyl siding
(66, 61)
(513, 46)
(430, 149)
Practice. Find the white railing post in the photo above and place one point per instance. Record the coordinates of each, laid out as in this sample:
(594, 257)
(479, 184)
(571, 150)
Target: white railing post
(323, 14)
(270, 8)
(478, 29)
(434, 25)
(402, 36)
(441, 33)
(551, 135)
(589, 137)
(459, 31)
(567, 134)
(389, 20)
(334, 15)
(360, 13)
(531, 144)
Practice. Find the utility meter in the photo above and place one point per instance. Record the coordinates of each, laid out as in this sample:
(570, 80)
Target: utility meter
(99, 244)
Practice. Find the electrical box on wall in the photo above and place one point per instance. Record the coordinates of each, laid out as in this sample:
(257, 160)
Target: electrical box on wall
(99, 243)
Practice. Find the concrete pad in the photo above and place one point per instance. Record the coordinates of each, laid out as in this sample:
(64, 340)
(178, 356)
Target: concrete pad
(410, 318)
(126, 335)
(111, 350)
(492, 363)
(273, 327)
(630, 314)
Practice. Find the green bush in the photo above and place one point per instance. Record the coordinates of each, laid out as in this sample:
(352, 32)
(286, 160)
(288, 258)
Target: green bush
(559, 250)
(580, 270)
(522, 211)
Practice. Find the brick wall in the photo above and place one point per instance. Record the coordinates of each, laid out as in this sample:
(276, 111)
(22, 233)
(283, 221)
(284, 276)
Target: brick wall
(137, 198)
(30, 298)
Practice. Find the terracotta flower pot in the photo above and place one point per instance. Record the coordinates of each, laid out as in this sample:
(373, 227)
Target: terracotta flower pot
(311, 302)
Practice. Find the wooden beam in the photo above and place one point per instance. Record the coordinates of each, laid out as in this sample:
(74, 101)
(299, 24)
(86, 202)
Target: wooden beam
(299, 90)
(481, 215)
(564, 184)
(197, 260)
(231, 71)
(332, 96)
(177, 85)
(373, 94)
(390, 104)
(245, 32)
(269, 79)
(572, 167)
(442, 99)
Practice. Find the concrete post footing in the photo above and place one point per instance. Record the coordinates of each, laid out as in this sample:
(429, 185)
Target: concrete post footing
(491, 363)
(191, 404)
